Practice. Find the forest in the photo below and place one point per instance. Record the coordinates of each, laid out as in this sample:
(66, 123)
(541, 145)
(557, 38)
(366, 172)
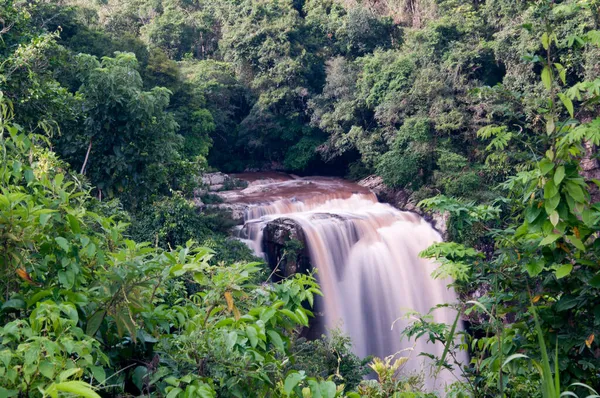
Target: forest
(115, 282)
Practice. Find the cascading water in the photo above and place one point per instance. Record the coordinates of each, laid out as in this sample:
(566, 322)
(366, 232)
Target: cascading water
(366, 257)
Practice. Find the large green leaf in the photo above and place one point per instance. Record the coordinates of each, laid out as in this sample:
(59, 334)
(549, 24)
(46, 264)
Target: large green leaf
(563, 270)
(276, 340)
(78, 388)
(292, 380)
(252, 335)
(14, 304)
(62, 242)
(534, 267)
(94, 322)
(550, 239)
(328, 389)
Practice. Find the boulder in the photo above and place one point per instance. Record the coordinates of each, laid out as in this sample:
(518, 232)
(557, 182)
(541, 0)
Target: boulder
(238, 210)
(285, 246)
(214, 179)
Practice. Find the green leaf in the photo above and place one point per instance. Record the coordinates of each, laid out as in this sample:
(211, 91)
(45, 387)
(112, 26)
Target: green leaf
(66, 374)
(550, 125)
(567, 103)
(290, 315)
(562, 73)
(513, 357)
(252, 336)
(559, 175)
(532, 212)
(563, 270)
(554, 218)
(174, 392)
(46, 369)
(547, 77)
(231, 339)
(38, 296)
(552, 203)
(595, 281)
(74, 223)
(576, 242)
(98, 373)
(575, 192)
(328, 389)
(302, 316)
(14, 304)
(63, 243)
(94, 323)
(549, 239)
(315, 390)
(534, 268)
(28, 175)
(74, 387)
(276, 340)
(139, 373)
(550, 189)
(8, 393)
(292, 381)
(44, 218)
(546, 166)
(566, 303)
(545, 39)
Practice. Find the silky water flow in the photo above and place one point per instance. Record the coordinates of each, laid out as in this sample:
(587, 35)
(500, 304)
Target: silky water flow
(366, 255)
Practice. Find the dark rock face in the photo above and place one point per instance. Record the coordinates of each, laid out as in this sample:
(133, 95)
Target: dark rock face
(285, 246)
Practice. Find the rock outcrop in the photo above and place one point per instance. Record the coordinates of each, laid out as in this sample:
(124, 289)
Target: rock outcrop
(285, 246)
(214, 181)
(402, 199)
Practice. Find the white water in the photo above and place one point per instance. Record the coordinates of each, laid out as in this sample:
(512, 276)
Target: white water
(366, 256)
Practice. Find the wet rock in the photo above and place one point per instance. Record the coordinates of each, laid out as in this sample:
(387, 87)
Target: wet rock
(214, 180)
(286, 249)
(197, 202)
(238, 210)
(385, 194)
(402, 199)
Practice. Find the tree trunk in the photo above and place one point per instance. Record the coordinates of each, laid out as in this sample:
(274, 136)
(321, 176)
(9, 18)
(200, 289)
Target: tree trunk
(87, 155)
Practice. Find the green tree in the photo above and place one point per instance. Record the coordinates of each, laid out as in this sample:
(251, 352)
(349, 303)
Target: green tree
(130, 140)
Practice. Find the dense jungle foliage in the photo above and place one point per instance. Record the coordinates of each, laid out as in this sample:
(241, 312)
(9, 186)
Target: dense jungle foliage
(112, 109)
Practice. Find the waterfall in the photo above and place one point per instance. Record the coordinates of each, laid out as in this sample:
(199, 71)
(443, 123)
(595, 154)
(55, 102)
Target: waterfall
(366, 257)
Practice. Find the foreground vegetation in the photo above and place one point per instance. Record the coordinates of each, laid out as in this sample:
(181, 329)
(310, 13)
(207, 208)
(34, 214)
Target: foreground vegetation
(111, 110)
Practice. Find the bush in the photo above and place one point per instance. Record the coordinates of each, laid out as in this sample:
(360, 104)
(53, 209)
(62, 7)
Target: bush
(330, 356)
(400, 170)
(460, 184)
(173, 221)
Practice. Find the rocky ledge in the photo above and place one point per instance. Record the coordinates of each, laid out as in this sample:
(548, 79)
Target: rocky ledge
(402, 200)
